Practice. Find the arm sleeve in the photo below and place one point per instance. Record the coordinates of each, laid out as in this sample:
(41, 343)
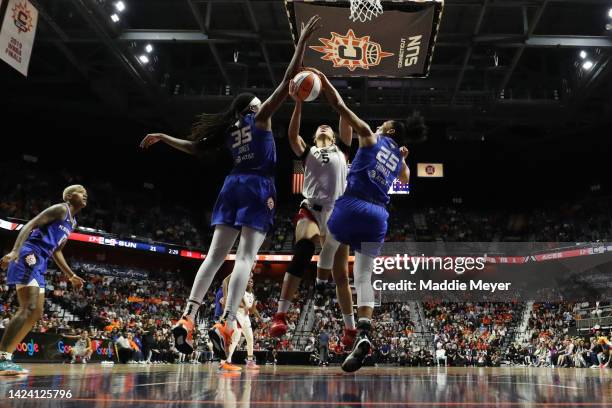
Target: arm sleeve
(305, 154)
(344, 148)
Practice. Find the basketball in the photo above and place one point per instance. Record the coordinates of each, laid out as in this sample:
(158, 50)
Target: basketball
(307, 86)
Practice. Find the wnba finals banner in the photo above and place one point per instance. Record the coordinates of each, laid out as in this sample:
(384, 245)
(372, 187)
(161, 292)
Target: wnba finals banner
(399, 43)
(17, 34)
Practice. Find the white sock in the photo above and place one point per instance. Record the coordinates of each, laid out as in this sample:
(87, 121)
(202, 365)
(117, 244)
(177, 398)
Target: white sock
(320, 281)
(283, 306)
(349, 321)
(191, 309)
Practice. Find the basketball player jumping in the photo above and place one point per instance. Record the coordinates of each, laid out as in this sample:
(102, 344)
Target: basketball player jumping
(247, 199)
(43, 237)
(360, 214)
(325, 170)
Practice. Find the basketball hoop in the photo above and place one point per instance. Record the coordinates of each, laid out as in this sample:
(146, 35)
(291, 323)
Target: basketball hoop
(365, 10)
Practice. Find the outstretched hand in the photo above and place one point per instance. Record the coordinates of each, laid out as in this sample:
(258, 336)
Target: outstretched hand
(310, 27)
(150, 140)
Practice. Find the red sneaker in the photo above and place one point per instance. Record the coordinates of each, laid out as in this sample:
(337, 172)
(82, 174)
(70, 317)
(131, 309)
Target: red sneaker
(279, 325)
(183, 335)
(348, 338)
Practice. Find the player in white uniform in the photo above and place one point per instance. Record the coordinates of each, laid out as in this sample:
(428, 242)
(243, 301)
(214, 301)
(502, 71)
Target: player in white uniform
(247, 306)
(325, 172)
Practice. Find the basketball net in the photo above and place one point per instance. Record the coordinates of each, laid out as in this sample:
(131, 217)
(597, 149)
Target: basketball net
(365, 10)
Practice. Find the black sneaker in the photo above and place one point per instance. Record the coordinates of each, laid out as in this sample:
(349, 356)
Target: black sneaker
(354, 361)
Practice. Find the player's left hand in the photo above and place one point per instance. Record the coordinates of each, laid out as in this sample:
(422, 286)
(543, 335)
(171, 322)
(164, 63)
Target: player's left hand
(7, 259)
(404, 151)
(292, 91)
(76, 281)
(310, 27)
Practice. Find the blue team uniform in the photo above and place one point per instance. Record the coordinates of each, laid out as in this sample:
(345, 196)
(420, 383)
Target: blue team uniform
(360, 215)
(248, 195)
(218, 306)
(36, 251)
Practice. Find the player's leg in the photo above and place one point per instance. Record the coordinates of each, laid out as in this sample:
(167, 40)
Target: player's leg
(31, 304)
(222, 242)
(306, 231)
(247, 330)
(235, 340)
(344, 294)
(250, 242)
(362, 274)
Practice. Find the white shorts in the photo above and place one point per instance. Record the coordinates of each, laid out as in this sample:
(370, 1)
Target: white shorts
(79, 351)
(320, 217)
(33, 283)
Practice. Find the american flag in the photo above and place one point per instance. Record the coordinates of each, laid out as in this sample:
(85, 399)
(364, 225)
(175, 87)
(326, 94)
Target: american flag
(298, 177)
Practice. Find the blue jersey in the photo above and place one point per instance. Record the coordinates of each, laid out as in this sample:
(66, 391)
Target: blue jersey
(373, 171)
(253, 149)
(218, 307)
(48, 238)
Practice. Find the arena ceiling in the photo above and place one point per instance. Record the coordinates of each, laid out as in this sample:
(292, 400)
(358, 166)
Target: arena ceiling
(497, 65)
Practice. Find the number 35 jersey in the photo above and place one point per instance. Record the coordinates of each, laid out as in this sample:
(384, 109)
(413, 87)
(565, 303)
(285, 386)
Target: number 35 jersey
(253, 149)
(373, 171)
(325, 171)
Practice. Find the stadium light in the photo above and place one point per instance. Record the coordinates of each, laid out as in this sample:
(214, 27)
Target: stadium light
(120, 6)
(144, 59)
(587, 65)
(583, 54)
(610, 13)
(149, 48)
(115, 18)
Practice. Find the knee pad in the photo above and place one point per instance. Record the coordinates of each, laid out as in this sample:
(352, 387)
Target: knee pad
(303, 251)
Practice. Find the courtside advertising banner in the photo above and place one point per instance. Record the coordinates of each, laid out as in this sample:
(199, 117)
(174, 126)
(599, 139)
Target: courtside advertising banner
(396, 44)
(17, 34)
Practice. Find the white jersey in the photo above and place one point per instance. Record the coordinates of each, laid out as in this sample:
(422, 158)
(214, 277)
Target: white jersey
(325, 172)
(249, 300)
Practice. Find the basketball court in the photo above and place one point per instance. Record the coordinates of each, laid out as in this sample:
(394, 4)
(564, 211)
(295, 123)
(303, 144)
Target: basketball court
(302, 386)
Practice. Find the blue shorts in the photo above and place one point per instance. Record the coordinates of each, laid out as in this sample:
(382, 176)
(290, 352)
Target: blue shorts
(355, 221)
(246, 200)
(30, 265)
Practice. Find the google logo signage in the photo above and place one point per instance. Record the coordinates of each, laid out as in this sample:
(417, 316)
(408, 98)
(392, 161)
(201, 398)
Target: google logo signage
(30, 348)
(96, 344)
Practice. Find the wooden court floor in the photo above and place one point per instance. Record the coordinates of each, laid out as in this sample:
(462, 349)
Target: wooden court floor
(94, 385)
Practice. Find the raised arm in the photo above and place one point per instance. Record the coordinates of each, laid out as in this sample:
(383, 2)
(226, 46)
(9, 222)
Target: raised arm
(346, 132)
(51, 214)
(366, 136)
(270, 105)
(404, 175)
(295, 140)
(186, 146)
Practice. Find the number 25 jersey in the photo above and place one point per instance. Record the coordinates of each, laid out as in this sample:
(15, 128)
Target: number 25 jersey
(373, 171)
